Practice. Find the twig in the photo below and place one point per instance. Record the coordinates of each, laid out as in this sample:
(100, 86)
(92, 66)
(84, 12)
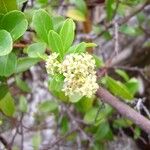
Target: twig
(124, 109)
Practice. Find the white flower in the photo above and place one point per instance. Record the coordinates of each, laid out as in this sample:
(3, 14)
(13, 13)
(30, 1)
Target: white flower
(80, 75)
(52, 64)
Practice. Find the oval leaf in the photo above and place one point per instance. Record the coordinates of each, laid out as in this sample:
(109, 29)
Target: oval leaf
(15, 23)
(67, 33)
(42, 23)
(55, 43)
(6, 43)
(118, 89)
(8, 64)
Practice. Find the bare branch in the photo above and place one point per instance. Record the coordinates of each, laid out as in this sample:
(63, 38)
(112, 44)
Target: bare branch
(124, 109)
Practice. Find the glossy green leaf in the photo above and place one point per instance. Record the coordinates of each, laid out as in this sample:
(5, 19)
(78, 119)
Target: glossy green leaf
(36, 49)
(42, 23)
(23, 104)
(25, 63)
(7, 105)
(55, 43)
(67, 33)
(118, 89)
(7, 5)
(8, 64)
(15, 23)
(6, 43)
(48, 106)
(76, 15)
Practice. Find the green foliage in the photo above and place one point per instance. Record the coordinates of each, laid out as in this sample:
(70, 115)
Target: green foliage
(76, 15)
(119, 89)
(18, 24)
(109, 9)
(55, 43)
(6, 6)
(22, 84)
(48, 106)
(8, 64)
(25, 63)
(5, 42)
(36, 49)
(23, 105)
(67, 33)
(42, 23)
(7, 105)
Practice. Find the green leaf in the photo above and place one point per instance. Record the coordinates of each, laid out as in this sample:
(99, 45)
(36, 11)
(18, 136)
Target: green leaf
(42, 23)
(25, 63)
(6, 43)
(7, 5)
(36, 49)
(122, 122)
(22, 85)
(75, 97)
(23, 104)
(76, 15)
(36, 141)
(79, 48)
(132, 85)
(98, 61)
(67, 33)
(64, 125)
(103, 132)
(8, 64)
(3, 90)
(130, 30)
(90, 115)
(80, 5)
(7, 105)
(84, 104)
(123, 74)
(56, 83)
(118, 89)
(15, 23)
(21, 1)
(55, 43)
(109, 9)
(48, 106)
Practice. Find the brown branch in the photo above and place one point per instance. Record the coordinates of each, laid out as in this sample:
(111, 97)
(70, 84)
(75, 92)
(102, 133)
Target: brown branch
(124, 109)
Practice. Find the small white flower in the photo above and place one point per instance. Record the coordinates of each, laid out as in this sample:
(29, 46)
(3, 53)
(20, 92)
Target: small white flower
(52, 64)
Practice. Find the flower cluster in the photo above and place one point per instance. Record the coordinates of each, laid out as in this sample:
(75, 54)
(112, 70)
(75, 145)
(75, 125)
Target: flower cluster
(52, 64)
(79, 72)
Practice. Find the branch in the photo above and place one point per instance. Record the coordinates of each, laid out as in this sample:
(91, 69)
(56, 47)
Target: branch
(124, 109)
